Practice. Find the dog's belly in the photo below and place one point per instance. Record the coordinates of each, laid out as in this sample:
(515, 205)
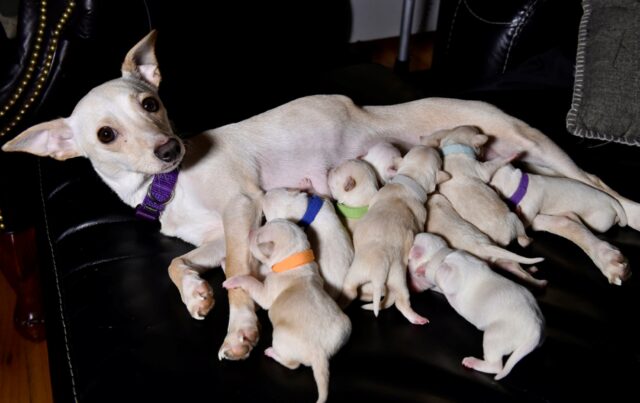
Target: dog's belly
(290, 172)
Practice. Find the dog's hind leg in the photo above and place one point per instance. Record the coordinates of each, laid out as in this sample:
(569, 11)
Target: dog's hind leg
(185, 271)
(606, 256)
(242, 214)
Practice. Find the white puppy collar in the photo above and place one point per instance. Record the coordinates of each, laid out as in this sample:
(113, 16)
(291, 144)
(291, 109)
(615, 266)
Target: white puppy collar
(412, 185)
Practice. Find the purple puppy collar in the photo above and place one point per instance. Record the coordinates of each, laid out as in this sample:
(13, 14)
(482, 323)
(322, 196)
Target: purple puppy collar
(160, 193)
(521, 191)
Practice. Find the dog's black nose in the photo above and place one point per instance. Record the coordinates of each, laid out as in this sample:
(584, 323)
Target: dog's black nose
(169, 151)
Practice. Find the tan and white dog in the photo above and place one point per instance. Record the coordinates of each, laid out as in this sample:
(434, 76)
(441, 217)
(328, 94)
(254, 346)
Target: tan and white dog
(384, 157)
(468, 190)
(308, 326)
(352, 184)
(444, 220)
(328, 237)
(383, 237)
(564, 206)
(507, 312)
(122, 127)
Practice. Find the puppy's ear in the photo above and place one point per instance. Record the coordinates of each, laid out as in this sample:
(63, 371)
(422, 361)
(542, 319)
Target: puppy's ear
(48, 139)
(442, 176)
(349, 184)
(479, 140)
(447, 279)
(430, 140)
(266, 248)
(416, 252)
(141, 63)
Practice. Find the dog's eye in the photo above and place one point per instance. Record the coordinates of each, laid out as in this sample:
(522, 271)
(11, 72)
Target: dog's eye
(150, 104)
(106, 134)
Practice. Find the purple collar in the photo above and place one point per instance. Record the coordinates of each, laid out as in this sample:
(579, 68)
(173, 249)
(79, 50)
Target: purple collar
(160, 193)
(521, 191)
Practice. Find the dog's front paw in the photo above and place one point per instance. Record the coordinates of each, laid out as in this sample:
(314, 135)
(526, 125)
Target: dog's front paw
(197, 295)
(242, 336)
(613, 264)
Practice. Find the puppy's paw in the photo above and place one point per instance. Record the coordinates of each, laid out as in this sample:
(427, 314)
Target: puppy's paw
(305, 184)
(233, 282)
(242, 336)
(614, 264)
(197, 295)
(470, 362)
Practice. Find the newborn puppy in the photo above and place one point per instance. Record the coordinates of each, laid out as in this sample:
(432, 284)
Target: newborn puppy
(352, 184)
(383, 237)
(329, 239)
(562, 205)
(468, 190)
(507, 312)
(443, 220)
(384, 158)
(308, 326)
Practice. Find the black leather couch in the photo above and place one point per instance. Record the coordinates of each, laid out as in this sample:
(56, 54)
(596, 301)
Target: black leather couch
(117, 330)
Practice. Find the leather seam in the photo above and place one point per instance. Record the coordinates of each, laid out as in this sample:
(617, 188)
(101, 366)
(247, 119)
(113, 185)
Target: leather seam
(525, 19)
(58, 289)
(453, 23)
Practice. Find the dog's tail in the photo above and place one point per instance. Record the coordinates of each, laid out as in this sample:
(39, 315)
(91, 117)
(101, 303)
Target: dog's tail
(495, 252)
(519, 353)
(320, 367)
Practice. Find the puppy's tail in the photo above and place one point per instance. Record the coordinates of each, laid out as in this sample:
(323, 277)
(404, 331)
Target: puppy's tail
(519, 353)
(320, 367)
(494, 252)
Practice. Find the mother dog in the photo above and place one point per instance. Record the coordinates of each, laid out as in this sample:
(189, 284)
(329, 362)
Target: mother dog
(122, 127)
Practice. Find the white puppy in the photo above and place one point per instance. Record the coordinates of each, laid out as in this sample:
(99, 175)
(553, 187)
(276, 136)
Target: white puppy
(506, 312)
(352, 184)
(443, 220)
(383, 237)
(329, 239)
(308, 326)
(562, 206)
(384, 157)
(468, 190)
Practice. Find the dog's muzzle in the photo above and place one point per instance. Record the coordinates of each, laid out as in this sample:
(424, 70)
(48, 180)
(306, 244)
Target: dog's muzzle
(169, 151)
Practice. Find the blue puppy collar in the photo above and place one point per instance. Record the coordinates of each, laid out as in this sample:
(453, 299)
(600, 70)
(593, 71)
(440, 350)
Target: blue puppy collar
(313, 207)
(458, 149)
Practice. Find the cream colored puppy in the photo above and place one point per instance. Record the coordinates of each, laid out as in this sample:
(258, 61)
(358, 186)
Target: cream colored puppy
(383, 237)
(507, 312)
(443, 220)
(561, 206)
(384, 157)
(352, 184)
(468, 190)
(308, 326)
(328, 237)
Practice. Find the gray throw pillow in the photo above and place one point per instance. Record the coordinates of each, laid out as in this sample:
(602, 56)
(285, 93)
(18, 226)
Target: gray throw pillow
(606, 94)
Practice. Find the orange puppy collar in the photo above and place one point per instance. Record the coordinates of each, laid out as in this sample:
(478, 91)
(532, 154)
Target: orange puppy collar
(294, 261)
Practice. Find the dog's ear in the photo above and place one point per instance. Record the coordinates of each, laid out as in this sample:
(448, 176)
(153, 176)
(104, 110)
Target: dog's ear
(141, 63)
(416, 252)
(479, 140)
(266, 248)
(48, 139)
(349, 184)
(442, 176)
(447, 278)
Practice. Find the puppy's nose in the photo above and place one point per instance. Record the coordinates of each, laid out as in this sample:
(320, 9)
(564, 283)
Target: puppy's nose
(169, 151)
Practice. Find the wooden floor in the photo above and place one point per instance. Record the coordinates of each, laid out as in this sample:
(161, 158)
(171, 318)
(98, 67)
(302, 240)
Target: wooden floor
(24, 366)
